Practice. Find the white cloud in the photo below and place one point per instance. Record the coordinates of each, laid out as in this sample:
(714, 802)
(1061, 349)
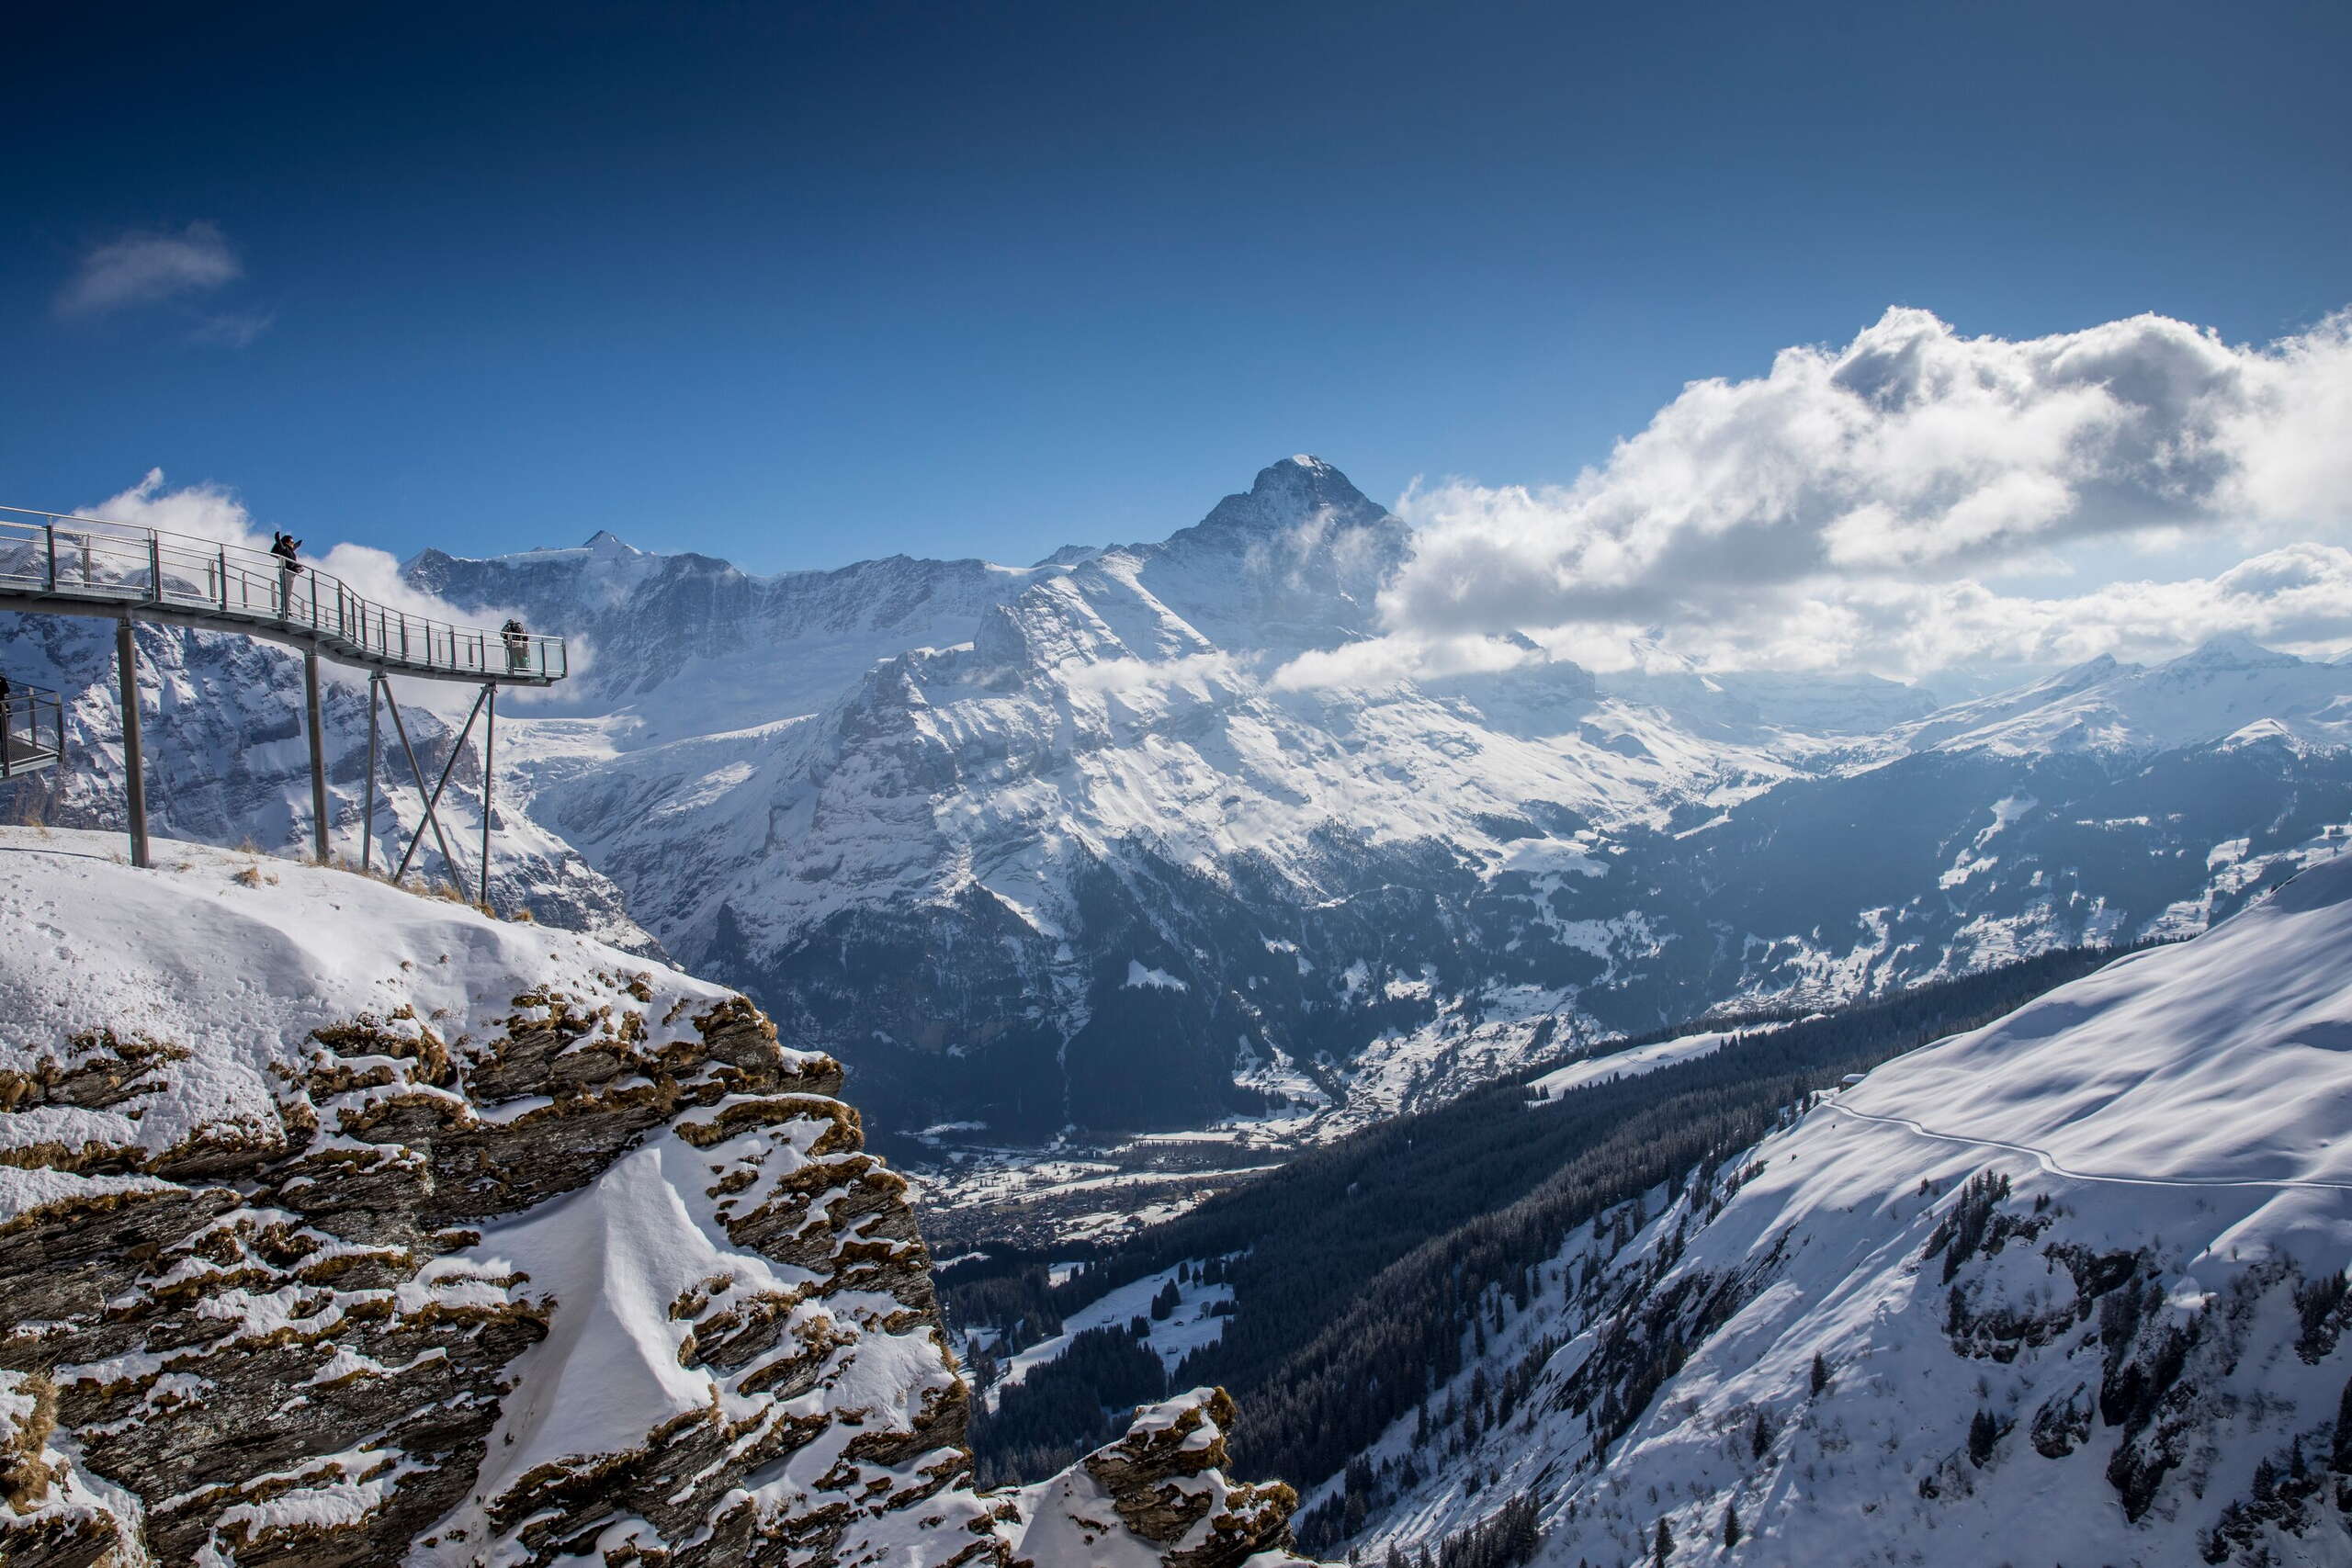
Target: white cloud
(149, 269)
(1385, 661)
(1847, 509)
(2298, 598)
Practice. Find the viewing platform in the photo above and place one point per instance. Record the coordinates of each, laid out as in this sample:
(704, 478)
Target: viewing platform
(58, 563)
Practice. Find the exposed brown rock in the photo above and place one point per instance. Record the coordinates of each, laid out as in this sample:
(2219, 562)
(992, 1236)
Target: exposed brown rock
(282, 1331)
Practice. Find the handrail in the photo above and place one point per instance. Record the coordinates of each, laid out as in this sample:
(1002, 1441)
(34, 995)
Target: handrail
(32, 729)
(63, 555)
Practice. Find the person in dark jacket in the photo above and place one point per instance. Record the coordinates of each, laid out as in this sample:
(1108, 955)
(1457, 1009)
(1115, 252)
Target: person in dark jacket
(283, 546)
(518, 645)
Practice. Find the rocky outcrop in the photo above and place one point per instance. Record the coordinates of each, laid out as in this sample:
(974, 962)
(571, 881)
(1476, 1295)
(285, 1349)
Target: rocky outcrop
(371, 1230)
(1158, 1496)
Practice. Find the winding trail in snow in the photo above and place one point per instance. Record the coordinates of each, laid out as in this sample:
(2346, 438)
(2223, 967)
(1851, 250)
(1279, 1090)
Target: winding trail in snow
(2048, 1162)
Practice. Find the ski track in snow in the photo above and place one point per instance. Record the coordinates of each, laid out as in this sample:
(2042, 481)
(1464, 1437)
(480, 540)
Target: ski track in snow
(2050, 1163)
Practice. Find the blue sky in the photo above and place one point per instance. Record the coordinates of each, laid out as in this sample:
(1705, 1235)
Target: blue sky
(795, 285)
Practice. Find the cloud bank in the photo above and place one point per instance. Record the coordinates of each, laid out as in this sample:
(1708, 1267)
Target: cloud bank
(1847, 509)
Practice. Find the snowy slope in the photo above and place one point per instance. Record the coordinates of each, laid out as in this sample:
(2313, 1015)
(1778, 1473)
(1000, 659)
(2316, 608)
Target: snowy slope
(1637, 1061)
(342, 1224)
(2073, 1282)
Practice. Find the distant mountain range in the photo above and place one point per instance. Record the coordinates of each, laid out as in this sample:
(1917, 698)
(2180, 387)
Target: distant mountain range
(1050, 847)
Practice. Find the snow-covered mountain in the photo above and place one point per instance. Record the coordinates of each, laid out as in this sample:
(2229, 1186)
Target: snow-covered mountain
(957, 871)
(1063, 845)
(685, 645)
(2068, 1288)
(340, 1224)
(1071, 854)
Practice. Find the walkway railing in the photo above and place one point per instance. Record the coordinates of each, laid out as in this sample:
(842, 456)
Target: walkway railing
(32, 730)
(57, 555)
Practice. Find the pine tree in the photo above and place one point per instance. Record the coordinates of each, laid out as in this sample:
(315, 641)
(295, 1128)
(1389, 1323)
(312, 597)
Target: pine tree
(1663, 1546)
(2340, 1458)
(1730, 1525)
(1759, 1440)
(1983, 1433)
(1820, 1373)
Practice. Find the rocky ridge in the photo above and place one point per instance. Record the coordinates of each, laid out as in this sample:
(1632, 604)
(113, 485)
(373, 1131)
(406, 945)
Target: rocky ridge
(340, 1226)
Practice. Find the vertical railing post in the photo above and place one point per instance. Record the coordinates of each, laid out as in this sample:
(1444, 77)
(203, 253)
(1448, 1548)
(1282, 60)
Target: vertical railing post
(126, 656)
(368, 813)
(224, 578)
(318, 751)
(489, 762)
(49, 538)
(154, 567)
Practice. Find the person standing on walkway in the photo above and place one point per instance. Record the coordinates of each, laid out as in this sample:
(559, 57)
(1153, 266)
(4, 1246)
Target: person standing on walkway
(284, 546)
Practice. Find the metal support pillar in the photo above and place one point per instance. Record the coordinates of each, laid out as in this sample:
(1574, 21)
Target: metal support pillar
(134, 762)
(489, 740)
(318, 756)
(367, 812)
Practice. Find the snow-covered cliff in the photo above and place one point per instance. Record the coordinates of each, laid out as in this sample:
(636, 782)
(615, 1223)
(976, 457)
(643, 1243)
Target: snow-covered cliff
(340, 1224)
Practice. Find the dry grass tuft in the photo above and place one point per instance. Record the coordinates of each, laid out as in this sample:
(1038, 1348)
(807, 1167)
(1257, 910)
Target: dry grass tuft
(30, 808)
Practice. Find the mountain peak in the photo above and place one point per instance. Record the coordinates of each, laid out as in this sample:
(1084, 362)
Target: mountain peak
(2233, 650)
(1299, 489)
(605, 544)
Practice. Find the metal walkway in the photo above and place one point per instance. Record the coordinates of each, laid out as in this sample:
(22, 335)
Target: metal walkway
(57, 563)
